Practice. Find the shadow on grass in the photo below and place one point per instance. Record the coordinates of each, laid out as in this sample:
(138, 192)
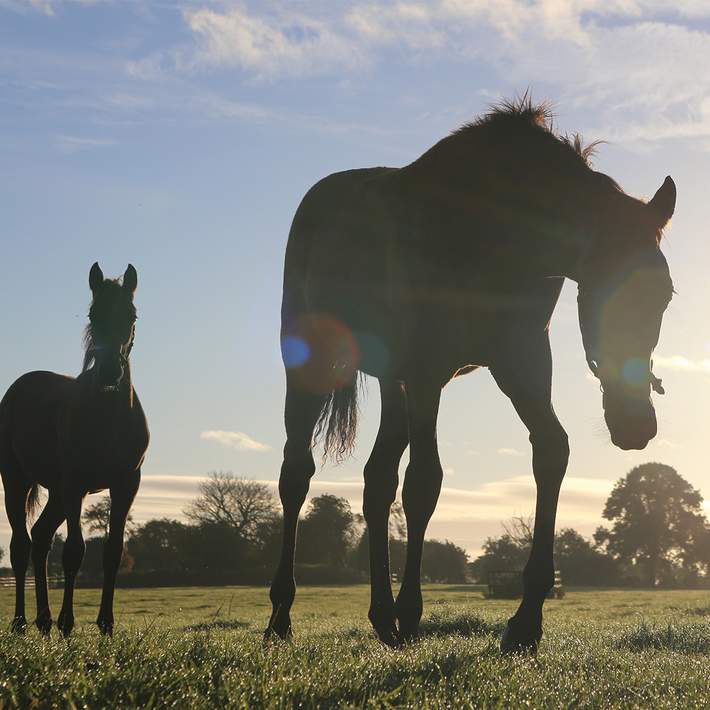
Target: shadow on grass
(462, 624)
(217, 626)
(682, 638)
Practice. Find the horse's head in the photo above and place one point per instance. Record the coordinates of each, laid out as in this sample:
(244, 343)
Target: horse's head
(111, 330)
(623, 293)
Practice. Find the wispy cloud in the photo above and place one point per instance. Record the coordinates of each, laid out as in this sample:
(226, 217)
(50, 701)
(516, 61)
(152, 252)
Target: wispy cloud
(598, 53)
(269, 43)
(44, 6)
(234, 440)
(595, 54)
(667, 444)
(505, 451)
(47, 7)
(681, 364)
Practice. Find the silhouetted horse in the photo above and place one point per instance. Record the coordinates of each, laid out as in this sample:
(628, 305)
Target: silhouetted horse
(74, 436)
(454, 262)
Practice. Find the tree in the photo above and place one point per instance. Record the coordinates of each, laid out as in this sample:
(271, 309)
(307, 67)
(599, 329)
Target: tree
(397, 522)
(444, 562)
(501, 553)
(269, 536)
(97, 517)
(658, 523)
(520, 530)
(217, 547)
(239, 503)
(54, 558)
(159, 545)
(327, 533)
(92, 564)
(397, 543)
(575, 556)
(581, 564)
(171, 546)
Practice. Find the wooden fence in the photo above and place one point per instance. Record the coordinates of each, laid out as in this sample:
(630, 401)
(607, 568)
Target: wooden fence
(53, 582)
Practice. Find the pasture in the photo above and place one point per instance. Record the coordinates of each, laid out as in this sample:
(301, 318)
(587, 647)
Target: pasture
(202, 648)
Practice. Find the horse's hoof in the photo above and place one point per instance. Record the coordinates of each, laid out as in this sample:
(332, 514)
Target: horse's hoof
(519, 638)
(384, 624)
(105, 626)
(275, 633)
(388, 637)
(387, 634)
(44, 624)
(408, 622)
(18, 625)
(65, 624)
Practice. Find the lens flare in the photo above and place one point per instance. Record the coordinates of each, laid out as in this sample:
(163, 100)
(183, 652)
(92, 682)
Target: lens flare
(635, 372)
(295, 351)
(320, 352)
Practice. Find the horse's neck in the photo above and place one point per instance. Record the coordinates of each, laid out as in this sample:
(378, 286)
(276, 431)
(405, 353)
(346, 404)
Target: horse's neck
(124, 398)
(549, 220)
(126, 389)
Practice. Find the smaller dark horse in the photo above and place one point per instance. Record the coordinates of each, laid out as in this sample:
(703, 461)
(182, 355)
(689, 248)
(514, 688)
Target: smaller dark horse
(74, 436)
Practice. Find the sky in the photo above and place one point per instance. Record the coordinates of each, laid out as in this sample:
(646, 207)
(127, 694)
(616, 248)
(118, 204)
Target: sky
(180, 136)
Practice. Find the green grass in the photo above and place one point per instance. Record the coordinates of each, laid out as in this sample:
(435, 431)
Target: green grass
(201, 648)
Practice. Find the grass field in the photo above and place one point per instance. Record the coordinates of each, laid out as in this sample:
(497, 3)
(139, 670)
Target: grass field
(201, 647)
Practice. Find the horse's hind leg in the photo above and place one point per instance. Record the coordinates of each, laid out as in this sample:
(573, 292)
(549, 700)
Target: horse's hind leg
(380, 490)
(302, 412)
(422, 484)
(16, 492)
(42, 535)
(72, 556)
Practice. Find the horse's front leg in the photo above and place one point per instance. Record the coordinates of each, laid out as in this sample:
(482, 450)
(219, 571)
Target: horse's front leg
(121, 500)
(380, 490)
(526, 377)
(422, 484)
(72, 556)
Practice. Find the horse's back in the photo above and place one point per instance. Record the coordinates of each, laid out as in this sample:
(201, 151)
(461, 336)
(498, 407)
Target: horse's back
(391, 259)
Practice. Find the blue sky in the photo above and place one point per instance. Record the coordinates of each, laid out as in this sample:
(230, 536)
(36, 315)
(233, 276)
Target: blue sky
(180, 136)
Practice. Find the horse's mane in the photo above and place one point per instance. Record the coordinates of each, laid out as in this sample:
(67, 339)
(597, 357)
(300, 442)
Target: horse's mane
(88, 343)
(527, 128)
(534, 121)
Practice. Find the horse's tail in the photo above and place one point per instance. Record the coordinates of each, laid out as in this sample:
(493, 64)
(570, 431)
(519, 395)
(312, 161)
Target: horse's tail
(33, 502)
(337, 423)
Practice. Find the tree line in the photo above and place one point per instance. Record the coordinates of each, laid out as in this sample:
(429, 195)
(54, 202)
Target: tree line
(232, 534)
(658, 534)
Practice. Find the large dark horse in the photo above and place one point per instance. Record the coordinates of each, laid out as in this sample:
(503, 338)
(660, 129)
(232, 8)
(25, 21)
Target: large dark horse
(74, 436)
(454, 262)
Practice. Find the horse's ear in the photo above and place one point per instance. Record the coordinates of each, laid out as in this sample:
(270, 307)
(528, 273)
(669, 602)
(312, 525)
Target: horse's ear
(130, 279)
(96, 276)
(663, 202)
